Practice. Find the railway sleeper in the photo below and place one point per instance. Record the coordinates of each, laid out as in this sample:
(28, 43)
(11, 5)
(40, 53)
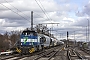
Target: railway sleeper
(72, 53)
(80, 56)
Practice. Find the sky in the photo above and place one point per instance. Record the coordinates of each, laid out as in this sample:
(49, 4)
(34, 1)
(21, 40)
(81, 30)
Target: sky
(72, 15)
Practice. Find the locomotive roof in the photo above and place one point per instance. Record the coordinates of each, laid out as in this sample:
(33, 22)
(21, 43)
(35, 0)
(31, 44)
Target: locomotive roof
(28, 31)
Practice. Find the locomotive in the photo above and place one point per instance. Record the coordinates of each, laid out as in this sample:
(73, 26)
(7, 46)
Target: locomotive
(31, 41)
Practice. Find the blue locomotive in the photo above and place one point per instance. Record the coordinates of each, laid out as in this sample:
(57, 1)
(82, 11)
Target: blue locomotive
(29, 42)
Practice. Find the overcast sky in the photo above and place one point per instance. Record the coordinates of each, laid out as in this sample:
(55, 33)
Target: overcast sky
(73, 15)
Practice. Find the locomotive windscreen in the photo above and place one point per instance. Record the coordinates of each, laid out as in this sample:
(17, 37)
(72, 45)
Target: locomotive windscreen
(29, 38)
(32, 33)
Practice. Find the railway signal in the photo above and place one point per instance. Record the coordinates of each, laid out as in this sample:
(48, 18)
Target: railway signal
(67, 42)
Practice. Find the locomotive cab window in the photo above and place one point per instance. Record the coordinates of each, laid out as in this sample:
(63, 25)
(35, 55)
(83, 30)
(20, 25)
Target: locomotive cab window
(42, 39)
(29, 33)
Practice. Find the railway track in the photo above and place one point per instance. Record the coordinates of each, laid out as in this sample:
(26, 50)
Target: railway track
(73, 55)
(86, 50)
(19, 57)
(13, 57)
(47, 54)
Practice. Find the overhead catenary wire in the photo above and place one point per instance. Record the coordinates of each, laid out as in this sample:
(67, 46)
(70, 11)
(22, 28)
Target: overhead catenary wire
(19, 10)
(14, 7)
(26, 15)
(42, 9)
(38, 15)
(48, 15)
(14, 12)
(45, 10)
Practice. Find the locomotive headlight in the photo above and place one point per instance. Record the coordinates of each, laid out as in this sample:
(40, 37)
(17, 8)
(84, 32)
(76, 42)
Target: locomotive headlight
(21, 43)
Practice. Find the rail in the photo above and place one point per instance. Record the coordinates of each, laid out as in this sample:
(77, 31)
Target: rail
(78, 55)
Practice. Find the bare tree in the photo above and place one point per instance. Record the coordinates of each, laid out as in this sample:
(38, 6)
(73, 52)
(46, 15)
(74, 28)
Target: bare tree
(1, 42)
(8, 39)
